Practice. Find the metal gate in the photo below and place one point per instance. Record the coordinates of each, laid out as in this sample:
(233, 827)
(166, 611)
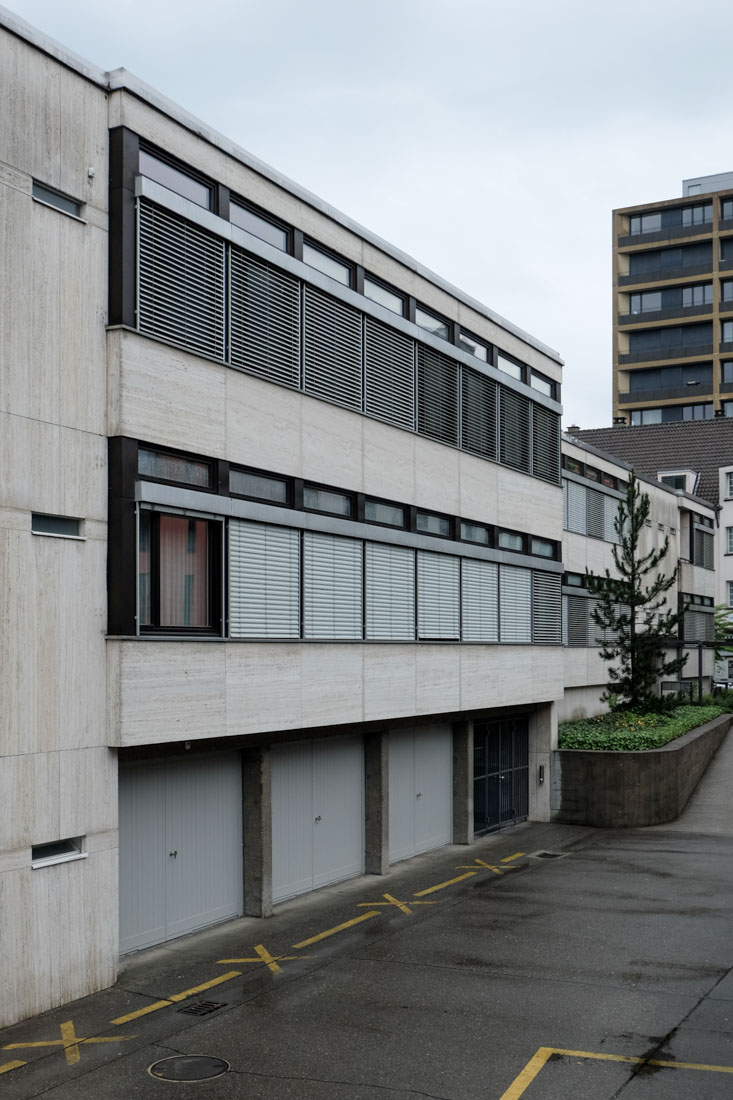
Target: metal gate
(500, 773)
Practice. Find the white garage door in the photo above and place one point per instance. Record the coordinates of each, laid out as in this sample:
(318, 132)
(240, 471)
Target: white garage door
(420, 791)
(180, 826)
(317, 814)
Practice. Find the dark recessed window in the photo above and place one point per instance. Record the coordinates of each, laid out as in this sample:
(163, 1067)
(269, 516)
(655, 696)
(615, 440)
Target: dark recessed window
(260, 486)
(327, 264)
(55, 198)
(543, 548)
(323, 500)
(431, 322)
(698, 295)
(430, 524)
(170, 467)
(727, 332)
(475, 532)
(592, 474)
(541, 384)
(697, 215)
(727, 208)
(57, 851)
(645, 223)
(510, 540)
(674, 481)
(510, 367)
(574, 580)
(609, 480)
(259, 226)
(174, 179)
(573, 465)
(178, 574)
(473, 346)
(390, 299)
(63, 526)
(378, 511)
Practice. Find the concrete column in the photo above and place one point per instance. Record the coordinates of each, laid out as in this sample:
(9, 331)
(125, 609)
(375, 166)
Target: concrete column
(542, 740)
(376, 803)
(257, 831)
(463, 783)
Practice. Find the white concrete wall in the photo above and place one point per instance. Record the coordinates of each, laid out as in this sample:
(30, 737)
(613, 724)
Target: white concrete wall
(57, 777)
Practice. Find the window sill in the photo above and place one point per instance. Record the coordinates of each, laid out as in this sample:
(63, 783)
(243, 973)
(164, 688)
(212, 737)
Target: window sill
(56, 535)
(36, 864)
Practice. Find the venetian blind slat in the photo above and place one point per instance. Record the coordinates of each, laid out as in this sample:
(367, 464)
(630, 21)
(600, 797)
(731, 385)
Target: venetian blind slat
(545, 444)
(389, 374)
(513, 429)
(181, 283)
(390, 592)
(264, 581)
(437, 395)
(546, 611)
(265, 320)
(438, 595)
(576, 507)
(332, 350)
(478, 413)
(479, 601)
(332, 586)
(515, 604)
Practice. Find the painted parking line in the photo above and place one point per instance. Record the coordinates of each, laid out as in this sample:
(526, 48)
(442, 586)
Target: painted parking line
(403, 906)
(176, 997)
(337, 928)
(483, 866)
(442, 885)
(70, 1042)
(264, 956)
(521, 1083)
(508, 859)
(6, 1068)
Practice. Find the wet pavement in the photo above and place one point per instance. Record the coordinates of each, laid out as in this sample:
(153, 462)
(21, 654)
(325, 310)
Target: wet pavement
(544, 962)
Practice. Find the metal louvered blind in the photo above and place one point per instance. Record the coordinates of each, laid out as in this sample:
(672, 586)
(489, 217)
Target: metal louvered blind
(438, 595)
(704, 555)
(546, 613)
(265, 320)
(515, 604)
(264, 581)
(478, 413)
(545, 443)
(576, 507)
(332, 586)
(390, 592)
(437, 395)
(699, 626)
(389, 374)
(577, 620)
(513, 429)
(332, 339)
(181, 280)
(610, 511)
(595, 514)
(479, 601)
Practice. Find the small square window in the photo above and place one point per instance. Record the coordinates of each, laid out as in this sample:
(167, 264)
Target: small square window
(510, 367)
(378, 511)
(431, 322)
(260, 486)
(473, 346)
(574, 580)
(327, 264)
(430, 524)
(475, 532)
(51, 197)
(259, 226)
(181, 183)
(390, 299)
(61, 526)
(510, 540)
(322, 500)
(541, 384)
(543, 548)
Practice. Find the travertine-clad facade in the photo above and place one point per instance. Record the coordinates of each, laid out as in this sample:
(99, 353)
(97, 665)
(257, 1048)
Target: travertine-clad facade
(281, 533)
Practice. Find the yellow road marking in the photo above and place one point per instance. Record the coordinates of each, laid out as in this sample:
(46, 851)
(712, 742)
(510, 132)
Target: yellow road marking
(485, 866)
(11, 1065)
(70, 1042)
(263, 955)
(442, 885)
(535, 1064)
(175, 997)
(333, 931)
(403, 906)
(508, 859)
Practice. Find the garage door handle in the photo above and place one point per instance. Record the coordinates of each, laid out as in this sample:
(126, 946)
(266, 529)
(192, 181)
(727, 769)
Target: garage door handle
(317, 818)
(419, 794)
(174, 855)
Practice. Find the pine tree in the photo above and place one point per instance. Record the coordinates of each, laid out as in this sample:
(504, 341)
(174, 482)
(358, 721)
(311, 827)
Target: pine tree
(632, 610)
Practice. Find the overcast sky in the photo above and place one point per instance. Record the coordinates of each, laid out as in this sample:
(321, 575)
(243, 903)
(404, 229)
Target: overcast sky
(490, 139)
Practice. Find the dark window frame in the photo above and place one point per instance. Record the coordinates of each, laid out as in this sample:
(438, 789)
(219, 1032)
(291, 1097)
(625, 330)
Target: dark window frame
(402, 295)
(237, 200)
(318, 487)
(390, 504)
(331, 255)
(515, 534)
(186, 456)
(289, 501)
(185, 169)
(491, 544)
(451, 537)
(214, 580)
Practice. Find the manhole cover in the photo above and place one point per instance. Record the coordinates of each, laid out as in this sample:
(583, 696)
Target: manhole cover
(188, 1067)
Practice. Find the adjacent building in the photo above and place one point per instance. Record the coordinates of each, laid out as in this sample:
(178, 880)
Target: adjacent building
(673, 306)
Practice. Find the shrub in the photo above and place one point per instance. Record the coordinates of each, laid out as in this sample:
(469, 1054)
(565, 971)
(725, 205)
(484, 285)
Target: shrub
(625, 731)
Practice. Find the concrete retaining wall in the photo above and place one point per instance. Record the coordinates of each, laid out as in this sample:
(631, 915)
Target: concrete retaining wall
(628, 789)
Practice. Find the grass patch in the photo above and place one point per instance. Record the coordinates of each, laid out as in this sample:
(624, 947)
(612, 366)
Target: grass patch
(624, 731)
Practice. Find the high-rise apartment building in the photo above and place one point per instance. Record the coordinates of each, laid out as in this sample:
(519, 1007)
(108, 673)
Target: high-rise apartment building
(673, 305)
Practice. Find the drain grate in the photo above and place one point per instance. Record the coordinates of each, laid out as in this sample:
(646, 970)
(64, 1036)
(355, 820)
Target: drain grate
(201, 1008)
(188, 1067)
(548, 855)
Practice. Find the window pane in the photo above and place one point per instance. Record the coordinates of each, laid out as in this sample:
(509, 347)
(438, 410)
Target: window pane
(433, 525)
(259, 486)
(728, 208)
(474, 532)
(509, 367)
(509, 541)
(320, 500)
(729, 535)
(258, 226)
(727, 331)
(144, 567)
(329, 265)
(55, 525)
(543, 548)
(385, 297)
(175, 180)
(376, 511)
(55, 198)
(473, 347)
(174, 468)
(431, 323)
(184, 571)
(542, 384)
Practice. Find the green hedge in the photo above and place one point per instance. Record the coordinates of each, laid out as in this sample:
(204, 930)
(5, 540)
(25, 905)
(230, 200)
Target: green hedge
(624, 731)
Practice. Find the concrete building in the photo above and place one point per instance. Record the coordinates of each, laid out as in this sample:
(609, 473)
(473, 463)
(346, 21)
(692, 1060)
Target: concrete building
(281, 538)
(673, 305)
